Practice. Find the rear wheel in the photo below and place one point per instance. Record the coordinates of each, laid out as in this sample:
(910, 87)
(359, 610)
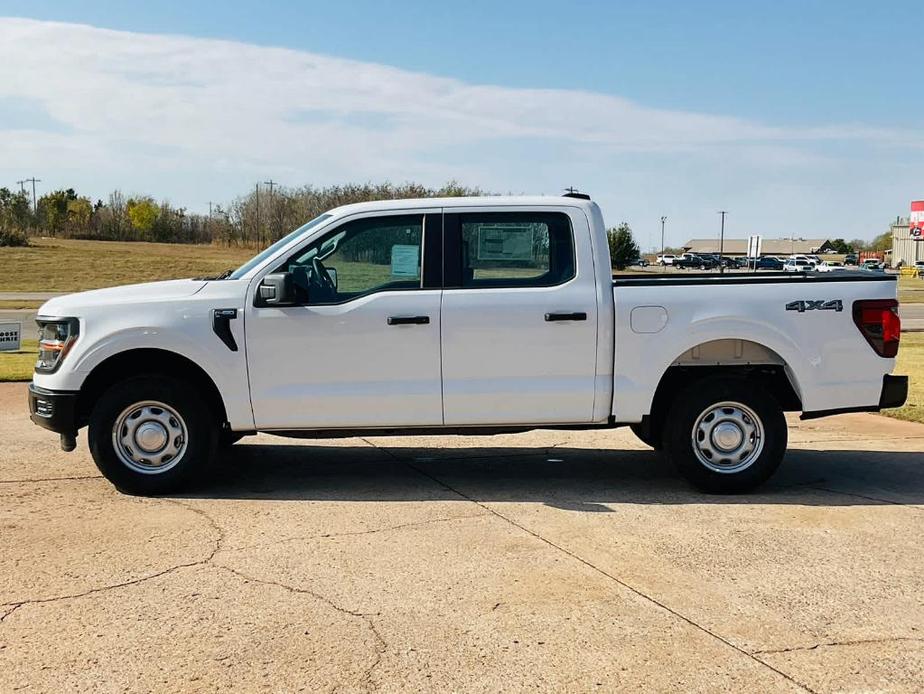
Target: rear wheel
(725, 436)
(152, 435)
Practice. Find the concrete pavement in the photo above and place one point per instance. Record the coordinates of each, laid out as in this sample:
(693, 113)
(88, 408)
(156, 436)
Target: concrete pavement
(551, 561)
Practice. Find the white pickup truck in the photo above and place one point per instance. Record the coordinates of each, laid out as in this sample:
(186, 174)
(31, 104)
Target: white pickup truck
(465, 315)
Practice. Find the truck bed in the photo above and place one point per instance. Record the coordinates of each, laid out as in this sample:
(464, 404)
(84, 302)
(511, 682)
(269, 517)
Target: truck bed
(703, 278)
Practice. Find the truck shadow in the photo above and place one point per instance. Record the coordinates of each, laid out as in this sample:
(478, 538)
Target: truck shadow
(577, 479)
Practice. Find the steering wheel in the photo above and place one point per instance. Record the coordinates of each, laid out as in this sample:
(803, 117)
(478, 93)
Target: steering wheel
(321, 276)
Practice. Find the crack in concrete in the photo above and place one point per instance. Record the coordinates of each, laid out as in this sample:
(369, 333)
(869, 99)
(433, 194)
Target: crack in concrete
(636, 591)
(857, 642)
(53, 479)
(366, 617)
(135, 581)
(366, 680)
(373, 531)
(889, 502)
(10, 611)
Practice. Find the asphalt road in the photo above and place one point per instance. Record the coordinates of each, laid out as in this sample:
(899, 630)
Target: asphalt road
(550, 561)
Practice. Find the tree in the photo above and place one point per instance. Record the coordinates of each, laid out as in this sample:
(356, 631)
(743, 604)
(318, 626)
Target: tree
(52, 209)
(623, 249)
(883, 242)
(840, 246)
(142, 213)
(858, 245)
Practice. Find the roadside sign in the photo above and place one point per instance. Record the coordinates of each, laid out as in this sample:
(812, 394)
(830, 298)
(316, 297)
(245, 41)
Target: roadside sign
(754, 243)
(10, 337)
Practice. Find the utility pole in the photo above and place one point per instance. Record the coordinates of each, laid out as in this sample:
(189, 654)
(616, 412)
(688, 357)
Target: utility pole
(259, 228)
(22, 186)
(663, 219)
(722, 241)
(33, 180)
(272, 203)
(210, 209)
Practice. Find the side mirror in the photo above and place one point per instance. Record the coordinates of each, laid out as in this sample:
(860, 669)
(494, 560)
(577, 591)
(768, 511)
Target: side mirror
(277, 289)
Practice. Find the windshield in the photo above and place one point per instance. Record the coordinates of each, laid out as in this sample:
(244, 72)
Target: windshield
(271, 250)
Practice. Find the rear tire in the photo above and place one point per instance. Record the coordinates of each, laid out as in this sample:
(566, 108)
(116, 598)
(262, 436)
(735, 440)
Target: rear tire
(152, 435)
(725, 436)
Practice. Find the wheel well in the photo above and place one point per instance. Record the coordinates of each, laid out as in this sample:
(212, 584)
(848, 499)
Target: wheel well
(139, 362)
(771, 378)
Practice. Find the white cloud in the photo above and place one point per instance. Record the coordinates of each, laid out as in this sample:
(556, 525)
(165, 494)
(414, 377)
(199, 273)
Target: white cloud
(194, 119)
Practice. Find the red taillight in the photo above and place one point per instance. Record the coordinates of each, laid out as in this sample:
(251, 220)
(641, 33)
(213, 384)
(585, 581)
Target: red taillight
(878, 320)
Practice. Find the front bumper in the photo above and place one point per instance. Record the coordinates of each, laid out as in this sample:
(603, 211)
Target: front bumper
(55, 410)
(893, 394)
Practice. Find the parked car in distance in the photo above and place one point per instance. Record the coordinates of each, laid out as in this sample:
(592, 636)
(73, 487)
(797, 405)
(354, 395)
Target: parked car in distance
(919, 266)
(767, 262)
(872, 264)
(692, 260)
(798, 265)
(666, 259)
(640, 262)
(850, 259)
(830, 266)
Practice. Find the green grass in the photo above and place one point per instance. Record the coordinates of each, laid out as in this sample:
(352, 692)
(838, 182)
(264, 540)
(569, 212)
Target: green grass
(911, 363)
(910, 290)
(17, 366)
(64, 265)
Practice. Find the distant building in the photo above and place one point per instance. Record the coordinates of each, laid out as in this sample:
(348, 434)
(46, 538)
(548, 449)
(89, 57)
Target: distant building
(908, 237)
(767, 247)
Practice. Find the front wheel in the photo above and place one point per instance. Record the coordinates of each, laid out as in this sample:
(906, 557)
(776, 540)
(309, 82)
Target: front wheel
(152, 435)
(725, 436)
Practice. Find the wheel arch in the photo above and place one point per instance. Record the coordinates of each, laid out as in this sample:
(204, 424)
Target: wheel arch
(147, 361)
(726, 358)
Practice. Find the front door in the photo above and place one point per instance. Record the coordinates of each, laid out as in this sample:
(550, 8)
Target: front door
(363, 349)
(519, 318)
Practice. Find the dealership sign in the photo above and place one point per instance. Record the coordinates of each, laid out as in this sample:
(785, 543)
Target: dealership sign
(916, 220)
(10, 337)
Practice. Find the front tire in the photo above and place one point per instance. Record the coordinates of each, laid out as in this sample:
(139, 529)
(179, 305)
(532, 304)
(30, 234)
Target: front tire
(152, 435)
(725, 436)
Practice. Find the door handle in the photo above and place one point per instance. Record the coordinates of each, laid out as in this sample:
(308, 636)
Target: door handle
(408, 320)
(577, 315)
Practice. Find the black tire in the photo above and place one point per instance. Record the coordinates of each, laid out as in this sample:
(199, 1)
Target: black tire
(643, 431)
(698, 409)
(193, 434)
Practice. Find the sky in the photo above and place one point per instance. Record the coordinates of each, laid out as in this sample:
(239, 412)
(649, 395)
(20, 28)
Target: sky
(802, 118)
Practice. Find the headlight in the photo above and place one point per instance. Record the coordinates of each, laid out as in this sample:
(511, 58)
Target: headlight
(56, 337)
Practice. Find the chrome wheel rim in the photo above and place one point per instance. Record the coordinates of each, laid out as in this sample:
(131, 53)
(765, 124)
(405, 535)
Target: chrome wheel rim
(728, 437)
(149, 437)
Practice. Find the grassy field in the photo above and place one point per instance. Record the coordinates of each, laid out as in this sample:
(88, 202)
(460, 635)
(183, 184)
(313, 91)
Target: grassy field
(910, 290)
(17, 366)
(51, 265)
(911, 363)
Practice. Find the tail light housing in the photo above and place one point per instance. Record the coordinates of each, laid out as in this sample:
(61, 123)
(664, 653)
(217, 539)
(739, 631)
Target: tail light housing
(878, 320)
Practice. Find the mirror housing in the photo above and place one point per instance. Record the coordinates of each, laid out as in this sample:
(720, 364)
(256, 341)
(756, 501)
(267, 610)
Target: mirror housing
(277, 289)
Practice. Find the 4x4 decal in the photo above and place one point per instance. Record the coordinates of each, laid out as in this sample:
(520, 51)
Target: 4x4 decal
(815, 305)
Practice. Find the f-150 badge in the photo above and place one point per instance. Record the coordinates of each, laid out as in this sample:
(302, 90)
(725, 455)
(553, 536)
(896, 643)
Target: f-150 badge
(815, 305)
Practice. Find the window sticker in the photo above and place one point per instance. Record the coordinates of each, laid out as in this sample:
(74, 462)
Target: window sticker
(507, 242)
(405, 260)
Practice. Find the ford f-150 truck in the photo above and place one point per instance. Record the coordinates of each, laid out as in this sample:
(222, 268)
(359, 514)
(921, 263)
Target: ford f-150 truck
(465, 315)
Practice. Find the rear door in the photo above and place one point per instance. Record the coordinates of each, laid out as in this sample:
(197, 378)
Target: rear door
(519, 317)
